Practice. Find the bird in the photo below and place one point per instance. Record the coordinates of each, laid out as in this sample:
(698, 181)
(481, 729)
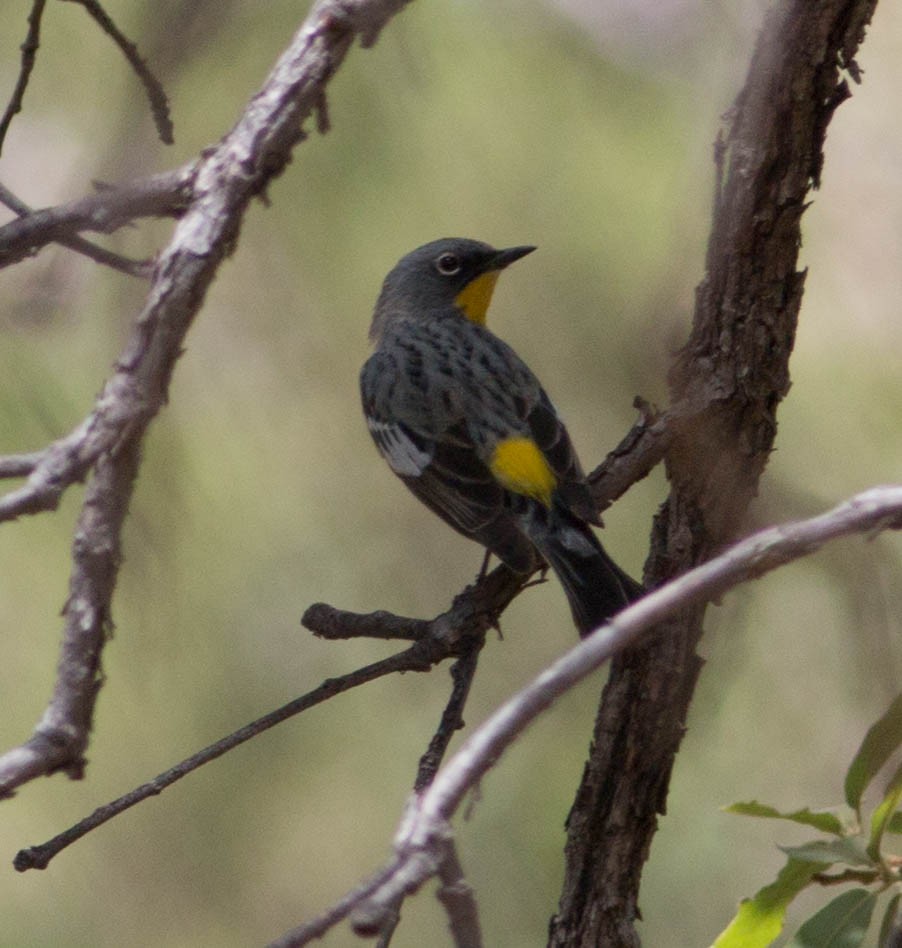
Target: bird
(468, 428)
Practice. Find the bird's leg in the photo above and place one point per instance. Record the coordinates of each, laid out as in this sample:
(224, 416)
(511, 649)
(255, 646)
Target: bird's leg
(483, 570)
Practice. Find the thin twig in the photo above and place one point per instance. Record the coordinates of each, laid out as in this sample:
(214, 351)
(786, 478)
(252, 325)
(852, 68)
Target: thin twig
(416, 658)
(19, 465)
(317, 927)
(159, 104)
(161, 195)
(137, 268)
(463, 671)
(29, 55)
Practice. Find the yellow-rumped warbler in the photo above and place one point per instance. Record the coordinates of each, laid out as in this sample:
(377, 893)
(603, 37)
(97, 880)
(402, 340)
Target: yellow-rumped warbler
(468, 428)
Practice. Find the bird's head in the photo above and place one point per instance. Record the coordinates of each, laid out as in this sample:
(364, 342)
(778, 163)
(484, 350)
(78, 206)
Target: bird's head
(451, 272)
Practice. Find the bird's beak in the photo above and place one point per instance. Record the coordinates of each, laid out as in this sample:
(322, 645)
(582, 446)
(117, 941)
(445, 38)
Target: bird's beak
(506, 257)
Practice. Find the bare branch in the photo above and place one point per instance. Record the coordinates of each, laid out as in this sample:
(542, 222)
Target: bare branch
(159, 104)
(477, 608)
(417, 658)
(457, 896)
(463, 672)
(326, 622)
(213, 194)
(29, 53)
(457, 633)
(138, 268)
(19, 465)
(639, 452)
(425, 828)
(162, 195)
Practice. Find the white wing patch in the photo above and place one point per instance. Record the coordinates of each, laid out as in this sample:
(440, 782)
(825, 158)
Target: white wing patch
(403, 456)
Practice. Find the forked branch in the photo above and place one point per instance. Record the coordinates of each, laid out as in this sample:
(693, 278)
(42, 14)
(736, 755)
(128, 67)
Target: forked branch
(423, 834)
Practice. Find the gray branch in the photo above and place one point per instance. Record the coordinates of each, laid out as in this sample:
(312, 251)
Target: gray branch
(106, 446)
(425, 830)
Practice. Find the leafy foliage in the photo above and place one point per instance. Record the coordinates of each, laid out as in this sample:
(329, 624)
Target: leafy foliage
(854, 853)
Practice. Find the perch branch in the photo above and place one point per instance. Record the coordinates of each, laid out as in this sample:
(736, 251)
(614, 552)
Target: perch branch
(425, 827)
(459, 632)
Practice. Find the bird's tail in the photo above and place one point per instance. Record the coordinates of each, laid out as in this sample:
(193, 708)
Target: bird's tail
(596, 587)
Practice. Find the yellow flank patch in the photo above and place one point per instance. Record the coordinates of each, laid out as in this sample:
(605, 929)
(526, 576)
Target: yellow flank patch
(473, 300)
(520, 466)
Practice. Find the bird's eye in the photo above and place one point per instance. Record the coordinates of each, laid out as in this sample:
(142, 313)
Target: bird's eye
(448, 264)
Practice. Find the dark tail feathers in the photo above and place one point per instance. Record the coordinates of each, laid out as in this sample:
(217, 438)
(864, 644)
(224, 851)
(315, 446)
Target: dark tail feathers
(596, 587)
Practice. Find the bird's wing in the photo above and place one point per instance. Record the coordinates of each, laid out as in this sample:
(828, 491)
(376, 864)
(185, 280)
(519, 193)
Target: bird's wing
(436, 461)
(446, 475)
(550, 435)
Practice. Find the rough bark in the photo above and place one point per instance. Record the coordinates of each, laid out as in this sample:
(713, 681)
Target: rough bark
(728, 380)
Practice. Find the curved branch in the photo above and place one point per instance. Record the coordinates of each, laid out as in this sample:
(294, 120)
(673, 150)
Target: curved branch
(222, 184)
(159, 104)
(424, 830)
(29, 50)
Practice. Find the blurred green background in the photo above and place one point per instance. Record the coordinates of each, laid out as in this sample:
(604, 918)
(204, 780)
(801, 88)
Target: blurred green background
(586, 129)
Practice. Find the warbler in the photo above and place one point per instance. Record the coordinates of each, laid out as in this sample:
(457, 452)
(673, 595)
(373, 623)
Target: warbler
(465, 424)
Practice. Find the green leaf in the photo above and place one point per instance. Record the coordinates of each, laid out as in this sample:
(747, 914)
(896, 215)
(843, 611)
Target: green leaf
(889, 918)
(884, 811)
(842, 923)
(760, 918)
(879, 743)
(824, 820)
(849, 850)
(895, 823)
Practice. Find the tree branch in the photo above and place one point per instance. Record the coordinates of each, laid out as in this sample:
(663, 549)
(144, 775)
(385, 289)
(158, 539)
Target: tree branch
(221, 185)
(459, 900)
(138, 268)
(159, 105)
(457, 633)
(425, 827)
(638, 454)
(162, 195)
(420, 657)
(29, 50)
(735, 370)
(463, 671)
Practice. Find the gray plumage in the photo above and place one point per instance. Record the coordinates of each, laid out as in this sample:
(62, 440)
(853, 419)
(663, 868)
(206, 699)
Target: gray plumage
(440, 392)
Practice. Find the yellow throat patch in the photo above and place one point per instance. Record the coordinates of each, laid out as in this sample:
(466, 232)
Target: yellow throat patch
(473, 300)
(520, 466)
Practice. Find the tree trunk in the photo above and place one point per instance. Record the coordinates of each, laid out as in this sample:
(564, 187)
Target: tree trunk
(727, 380)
